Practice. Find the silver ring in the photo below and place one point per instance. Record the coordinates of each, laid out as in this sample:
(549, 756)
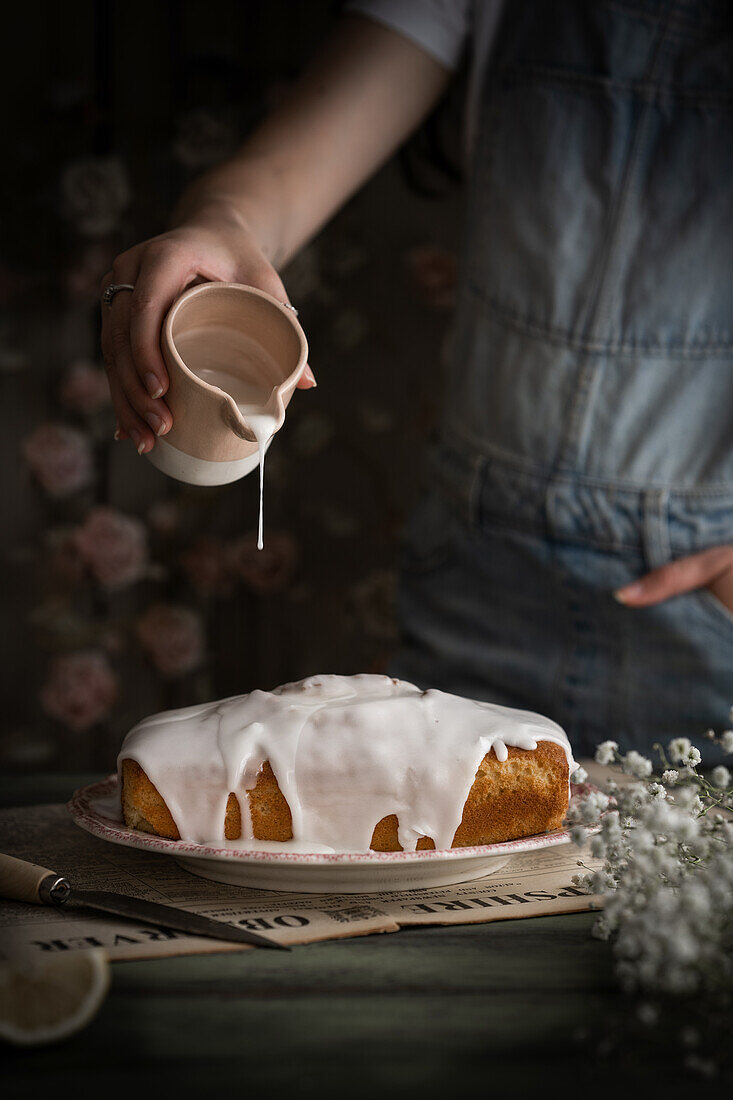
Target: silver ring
(111, 290)
(288, 306)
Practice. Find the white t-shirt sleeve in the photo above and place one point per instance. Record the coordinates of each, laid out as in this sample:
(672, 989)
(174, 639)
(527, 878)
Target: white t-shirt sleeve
(439, 27)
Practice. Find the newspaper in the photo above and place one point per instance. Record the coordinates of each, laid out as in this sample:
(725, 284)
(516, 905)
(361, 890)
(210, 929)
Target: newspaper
(532, 884)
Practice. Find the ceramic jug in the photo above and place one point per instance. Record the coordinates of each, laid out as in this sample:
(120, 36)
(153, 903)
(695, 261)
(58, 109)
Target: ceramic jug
(232, 351)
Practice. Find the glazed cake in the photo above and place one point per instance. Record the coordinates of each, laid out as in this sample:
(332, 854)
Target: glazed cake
(345, 763)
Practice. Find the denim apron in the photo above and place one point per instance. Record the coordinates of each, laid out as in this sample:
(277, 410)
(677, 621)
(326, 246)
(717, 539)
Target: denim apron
(587, 428)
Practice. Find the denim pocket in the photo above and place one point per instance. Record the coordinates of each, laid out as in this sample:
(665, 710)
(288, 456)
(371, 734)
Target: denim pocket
(679, 533)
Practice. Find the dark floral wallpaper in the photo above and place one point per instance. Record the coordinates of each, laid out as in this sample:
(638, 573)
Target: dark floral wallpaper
(127, 592)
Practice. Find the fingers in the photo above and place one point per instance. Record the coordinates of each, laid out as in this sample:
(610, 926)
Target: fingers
(139, 416)
(261, 274)
(163, 275)
(307, 380)
(695, 571)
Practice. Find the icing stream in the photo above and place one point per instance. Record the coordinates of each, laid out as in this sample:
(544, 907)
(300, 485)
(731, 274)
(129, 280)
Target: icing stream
(346, 751)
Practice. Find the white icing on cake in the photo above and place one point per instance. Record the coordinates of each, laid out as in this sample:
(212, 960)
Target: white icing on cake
(346, 751)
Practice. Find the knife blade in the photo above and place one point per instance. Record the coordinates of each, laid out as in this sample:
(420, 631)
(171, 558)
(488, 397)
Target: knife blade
(23, 881)
(152, 912)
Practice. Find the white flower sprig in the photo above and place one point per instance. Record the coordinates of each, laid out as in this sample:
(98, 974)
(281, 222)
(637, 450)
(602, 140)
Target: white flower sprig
(666, 879)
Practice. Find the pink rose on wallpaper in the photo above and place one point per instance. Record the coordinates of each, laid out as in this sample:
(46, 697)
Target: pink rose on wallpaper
(60, 458)
(80, 690)
(95, 192)
(164, 517)
(204, 138)
(173, 637)
(434, 271)
(84, 388)
(114, 547)
(207, 564)
(267, 570)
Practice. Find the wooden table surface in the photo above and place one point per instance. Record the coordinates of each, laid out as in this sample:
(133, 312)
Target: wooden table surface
(520, 1007)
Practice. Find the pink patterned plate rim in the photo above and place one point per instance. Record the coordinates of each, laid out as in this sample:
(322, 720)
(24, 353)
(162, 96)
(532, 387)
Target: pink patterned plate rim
(86, 812)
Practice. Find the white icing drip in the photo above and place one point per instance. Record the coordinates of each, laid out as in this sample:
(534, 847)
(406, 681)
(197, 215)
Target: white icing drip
(346, 751)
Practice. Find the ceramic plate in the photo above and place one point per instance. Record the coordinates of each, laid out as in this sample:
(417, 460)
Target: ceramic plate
(97, 809)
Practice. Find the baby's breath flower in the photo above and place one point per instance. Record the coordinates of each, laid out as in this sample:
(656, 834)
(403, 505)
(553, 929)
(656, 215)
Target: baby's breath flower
(606, 751)
(580, 775)
(682, 751)
(637, 765)
(664, 874)
(720, 777)
(678, 748)
(601, 883)
(578, 835)
(687, 798)
(592, 806)
(726, 739)
(694, 898)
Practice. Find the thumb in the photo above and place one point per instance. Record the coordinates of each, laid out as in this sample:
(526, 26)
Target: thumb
(676, 577)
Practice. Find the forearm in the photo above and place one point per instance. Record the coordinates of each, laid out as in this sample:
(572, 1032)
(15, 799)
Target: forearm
(365, 91)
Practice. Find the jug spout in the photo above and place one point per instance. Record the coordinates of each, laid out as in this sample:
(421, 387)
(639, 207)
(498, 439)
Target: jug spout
(254, 422)
(236, 423)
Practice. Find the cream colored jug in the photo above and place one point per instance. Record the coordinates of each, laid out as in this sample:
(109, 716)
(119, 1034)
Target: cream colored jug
(234, 356)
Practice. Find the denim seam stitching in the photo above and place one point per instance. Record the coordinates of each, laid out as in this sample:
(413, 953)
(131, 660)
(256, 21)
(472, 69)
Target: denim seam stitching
(588, 371)
(677, 21)
(645, 90)
(545, 472)
(537, 528)
(563, 337)
(655, 528)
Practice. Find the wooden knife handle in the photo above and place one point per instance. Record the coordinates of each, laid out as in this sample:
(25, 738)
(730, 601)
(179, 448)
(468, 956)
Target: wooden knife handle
(21, 881)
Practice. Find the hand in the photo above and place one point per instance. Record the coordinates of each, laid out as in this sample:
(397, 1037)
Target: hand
(711, 569)
(217, 250)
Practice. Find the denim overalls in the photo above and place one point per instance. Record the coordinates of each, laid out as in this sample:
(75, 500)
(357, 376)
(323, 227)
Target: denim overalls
(587, 434)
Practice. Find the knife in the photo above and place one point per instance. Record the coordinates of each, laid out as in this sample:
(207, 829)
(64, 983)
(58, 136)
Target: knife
(22, 881)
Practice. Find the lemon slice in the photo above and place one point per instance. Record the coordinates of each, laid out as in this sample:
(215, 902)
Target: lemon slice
(50, 998)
